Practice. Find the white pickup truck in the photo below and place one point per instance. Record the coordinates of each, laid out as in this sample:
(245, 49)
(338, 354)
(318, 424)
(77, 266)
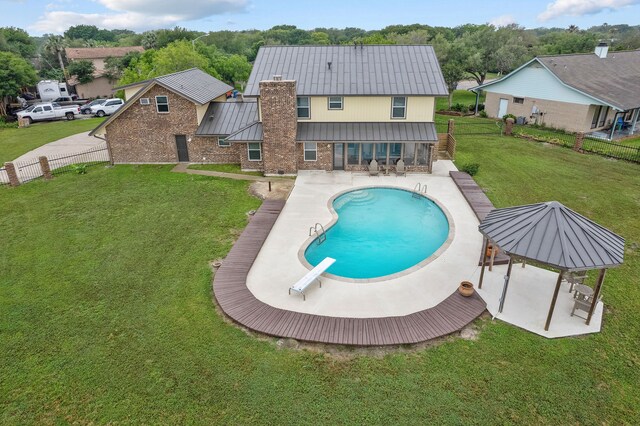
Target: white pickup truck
(48, 111)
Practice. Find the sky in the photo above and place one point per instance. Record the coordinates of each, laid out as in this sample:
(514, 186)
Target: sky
(55, 16)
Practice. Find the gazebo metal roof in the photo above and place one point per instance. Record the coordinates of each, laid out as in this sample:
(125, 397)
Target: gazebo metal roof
(555, 235)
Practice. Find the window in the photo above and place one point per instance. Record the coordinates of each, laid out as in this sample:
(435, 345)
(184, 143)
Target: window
(47, 108)
(304, 109)
(223, 142)
(335, 102)
(596, 114)
(162, 103)
(518, 100)
(422, 158)
(310, 151)
(395, 151)
(409, 154)
(254, 151)
(144, 101)
(399, 107)
(603, 116)
(39, 109)
(353, 154)
(117, 102)
(381, 153)
(367, 153)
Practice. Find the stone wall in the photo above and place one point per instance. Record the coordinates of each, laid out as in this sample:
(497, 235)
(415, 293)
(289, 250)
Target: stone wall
(279, 124)
(142, 135)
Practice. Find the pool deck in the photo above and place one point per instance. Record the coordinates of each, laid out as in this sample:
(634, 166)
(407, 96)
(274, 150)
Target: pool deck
(239, 303)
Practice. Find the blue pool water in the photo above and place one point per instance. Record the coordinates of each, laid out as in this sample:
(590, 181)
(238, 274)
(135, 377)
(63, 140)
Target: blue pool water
(380, 231)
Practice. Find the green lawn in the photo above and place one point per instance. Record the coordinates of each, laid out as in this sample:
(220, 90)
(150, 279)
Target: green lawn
(463, 97)
(106, 313)
(14, 141)
(225, 168)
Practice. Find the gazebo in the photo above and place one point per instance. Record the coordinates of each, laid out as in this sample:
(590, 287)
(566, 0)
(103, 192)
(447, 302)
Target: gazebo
(553, 235)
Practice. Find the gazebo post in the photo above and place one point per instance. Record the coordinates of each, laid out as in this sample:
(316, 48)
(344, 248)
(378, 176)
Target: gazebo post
(493, 256)
(596, 294)
(553, 301)
(485, 243)
(506, 284)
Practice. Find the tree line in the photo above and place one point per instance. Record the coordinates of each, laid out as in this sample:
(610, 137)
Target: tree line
(466, 51)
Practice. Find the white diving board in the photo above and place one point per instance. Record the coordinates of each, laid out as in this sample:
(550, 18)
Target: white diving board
(312, 276)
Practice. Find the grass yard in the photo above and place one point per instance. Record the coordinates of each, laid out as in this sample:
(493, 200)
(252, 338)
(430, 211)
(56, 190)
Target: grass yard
(463, 97)
(225, 168)
(14, 141)
(106, 313)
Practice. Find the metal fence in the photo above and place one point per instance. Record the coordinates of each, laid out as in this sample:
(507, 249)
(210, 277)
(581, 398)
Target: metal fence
(611, 149)
(28, 170)
(555, 137)
(481, 127)
(71, 163)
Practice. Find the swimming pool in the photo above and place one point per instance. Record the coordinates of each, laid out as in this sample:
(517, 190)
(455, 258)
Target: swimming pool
(380, 231)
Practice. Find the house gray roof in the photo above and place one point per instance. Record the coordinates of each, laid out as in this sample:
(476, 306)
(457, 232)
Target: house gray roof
(367, 70)
(225, 118)
(553, 234)
(250, 133)
(194, 84)
(614, 79)
(367, 132)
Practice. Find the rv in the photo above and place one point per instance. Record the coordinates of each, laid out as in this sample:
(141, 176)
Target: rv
(51, 89)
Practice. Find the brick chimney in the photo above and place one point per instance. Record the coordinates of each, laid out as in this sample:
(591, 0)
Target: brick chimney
(279, 124)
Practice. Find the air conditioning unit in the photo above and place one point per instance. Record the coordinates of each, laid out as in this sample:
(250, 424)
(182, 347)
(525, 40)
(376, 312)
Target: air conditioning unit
(144, 101)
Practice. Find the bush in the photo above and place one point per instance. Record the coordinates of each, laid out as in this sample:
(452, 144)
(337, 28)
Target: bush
(80, 169)
(470, 168)
(472, 107)
(504, 117)
(459, 107)
(483, 114)
(5, 125)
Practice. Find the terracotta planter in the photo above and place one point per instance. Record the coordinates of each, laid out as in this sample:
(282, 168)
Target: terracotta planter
(466, 288)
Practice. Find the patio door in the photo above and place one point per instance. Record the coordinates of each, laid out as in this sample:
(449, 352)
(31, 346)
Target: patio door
(502, 108)
(181, 146)
(338, 156)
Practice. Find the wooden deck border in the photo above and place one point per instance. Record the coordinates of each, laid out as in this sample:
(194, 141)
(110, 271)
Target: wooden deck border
(479, 203)
(237, 301)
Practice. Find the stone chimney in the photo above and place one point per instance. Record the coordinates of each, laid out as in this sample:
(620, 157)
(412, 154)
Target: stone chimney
(279, 125)
(601, 50)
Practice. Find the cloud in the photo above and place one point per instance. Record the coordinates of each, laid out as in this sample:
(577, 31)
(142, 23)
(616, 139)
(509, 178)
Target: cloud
(502, 21)
(138, 14)
(582, 7)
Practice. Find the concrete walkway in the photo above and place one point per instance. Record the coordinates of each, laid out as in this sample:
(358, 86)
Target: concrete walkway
(70, 145)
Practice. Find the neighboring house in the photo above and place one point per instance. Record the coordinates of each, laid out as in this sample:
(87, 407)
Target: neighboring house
(304, 108)
(576, 92)
(101, 86)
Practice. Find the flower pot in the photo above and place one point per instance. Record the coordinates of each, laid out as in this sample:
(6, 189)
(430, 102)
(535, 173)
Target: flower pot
(466, 288)
(489, 248)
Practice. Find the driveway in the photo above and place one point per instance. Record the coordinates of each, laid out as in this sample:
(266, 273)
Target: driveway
(64, 150)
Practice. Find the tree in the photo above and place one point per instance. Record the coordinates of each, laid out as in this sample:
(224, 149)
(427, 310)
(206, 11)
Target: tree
(115, 66)
(55, 44)
(18, 41)
(178, 56)
(82, 32)
(452, 58)
(83, 70)
(232, 68)
(319, 37)
(15, 73)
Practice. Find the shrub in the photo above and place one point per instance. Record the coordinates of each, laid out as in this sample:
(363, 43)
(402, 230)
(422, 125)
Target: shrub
(5, 125)
(459, 107)
(80, 169)
(472, 107)
(483, 114)
(504, 117)
(470, 168)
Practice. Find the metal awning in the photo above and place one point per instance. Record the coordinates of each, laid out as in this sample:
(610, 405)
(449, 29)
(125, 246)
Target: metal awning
(398, 132)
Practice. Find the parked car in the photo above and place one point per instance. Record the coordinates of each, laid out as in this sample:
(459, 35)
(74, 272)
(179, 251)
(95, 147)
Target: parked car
(86, 108)
(48, 111)
(108, 108)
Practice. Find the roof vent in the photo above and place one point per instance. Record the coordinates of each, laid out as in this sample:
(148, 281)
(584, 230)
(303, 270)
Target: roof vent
(277, 78)
(601, 50)
(329, 65)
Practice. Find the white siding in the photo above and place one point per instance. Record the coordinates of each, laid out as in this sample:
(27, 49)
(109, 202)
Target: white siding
(535, 81)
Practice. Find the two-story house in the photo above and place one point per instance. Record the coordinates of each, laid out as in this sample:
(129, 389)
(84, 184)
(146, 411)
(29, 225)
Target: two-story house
(309, 108)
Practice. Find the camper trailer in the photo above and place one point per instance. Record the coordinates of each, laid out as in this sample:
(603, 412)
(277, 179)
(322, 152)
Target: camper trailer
(51, 89)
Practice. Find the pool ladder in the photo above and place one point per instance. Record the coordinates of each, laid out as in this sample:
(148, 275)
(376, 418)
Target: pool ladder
(419, 190)
(318, 229)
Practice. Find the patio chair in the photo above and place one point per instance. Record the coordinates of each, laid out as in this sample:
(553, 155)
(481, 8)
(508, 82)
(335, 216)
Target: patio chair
(400, 170)
(583, 305)
(574, 278)
(373, 168)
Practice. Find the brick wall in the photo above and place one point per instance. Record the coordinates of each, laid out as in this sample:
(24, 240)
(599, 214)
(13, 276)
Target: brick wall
(324, 155)
(279, 124)
(559, 115)
(245, 164)
(142, 135)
